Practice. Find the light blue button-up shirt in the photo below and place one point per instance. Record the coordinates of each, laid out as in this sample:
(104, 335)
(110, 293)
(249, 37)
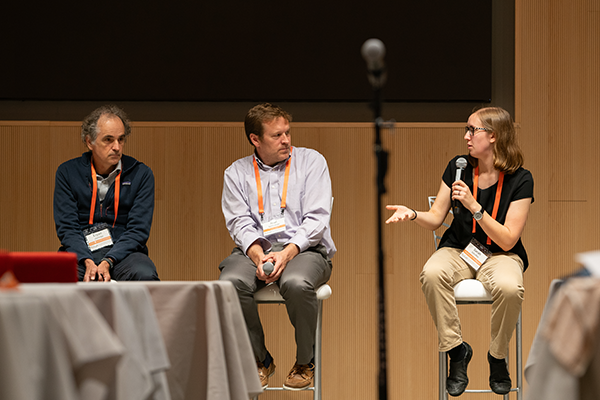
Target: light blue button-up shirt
(308, 202)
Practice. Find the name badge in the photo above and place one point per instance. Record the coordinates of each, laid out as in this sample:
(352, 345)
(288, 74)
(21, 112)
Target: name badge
(275, 225)
(475, 254)
(98, 237)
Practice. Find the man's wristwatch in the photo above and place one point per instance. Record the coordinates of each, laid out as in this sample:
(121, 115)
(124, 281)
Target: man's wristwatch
(110, 262)
(478, 215)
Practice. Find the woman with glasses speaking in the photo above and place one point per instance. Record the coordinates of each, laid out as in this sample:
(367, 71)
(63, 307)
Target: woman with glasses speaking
(490, 194)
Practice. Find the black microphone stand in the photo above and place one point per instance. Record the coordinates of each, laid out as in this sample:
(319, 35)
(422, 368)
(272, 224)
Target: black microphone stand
(382, 164)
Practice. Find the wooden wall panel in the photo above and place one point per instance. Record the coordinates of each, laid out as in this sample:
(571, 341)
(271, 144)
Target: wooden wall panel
(558, 59)
(558, 100)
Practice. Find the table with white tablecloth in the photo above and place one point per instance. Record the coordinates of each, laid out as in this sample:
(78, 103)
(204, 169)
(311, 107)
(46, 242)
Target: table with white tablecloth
(163, 340)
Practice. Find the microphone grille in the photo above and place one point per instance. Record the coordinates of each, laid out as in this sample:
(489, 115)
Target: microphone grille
(268, 267)
(373, 50)
(461, 163)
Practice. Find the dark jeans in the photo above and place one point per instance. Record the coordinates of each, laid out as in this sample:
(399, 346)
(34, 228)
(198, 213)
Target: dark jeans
(134, 267)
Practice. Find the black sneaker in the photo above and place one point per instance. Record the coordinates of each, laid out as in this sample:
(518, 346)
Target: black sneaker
(458, 380)
(500, 382)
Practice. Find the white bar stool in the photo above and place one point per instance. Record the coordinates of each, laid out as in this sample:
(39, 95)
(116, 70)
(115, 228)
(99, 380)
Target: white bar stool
(270, 295)
(471, 291)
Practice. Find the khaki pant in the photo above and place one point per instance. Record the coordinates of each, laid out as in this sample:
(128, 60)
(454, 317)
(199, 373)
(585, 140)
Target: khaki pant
(502, 276)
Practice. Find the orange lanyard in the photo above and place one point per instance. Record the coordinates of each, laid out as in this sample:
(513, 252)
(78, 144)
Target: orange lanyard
(496, 200)
(95, 194)
(261, 208)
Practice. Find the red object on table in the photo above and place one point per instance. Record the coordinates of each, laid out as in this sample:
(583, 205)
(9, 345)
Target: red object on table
(42, 266)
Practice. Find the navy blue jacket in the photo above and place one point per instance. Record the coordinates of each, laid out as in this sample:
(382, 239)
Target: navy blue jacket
(72, 202)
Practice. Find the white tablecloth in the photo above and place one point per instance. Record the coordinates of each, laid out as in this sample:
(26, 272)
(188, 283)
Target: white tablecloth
(54, 346)
(157, 340)
(207, 341)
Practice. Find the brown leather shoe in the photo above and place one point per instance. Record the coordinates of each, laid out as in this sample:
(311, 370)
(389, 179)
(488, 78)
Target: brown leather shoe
(265, 373)
(300, 377)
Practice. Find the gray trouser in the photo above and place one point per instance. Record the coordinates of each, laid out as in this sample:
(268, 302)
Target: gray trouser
(135, 267)
(297, 284)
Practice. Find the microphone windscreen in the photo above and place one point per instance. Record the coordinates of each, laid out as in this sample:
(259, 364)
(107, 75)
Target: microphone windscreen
(268, 267)
(373, 51)
(461, 163)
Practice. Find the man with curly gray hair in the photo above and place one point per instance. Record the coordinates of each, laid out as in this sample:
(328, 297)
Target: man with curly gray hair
(104, 201)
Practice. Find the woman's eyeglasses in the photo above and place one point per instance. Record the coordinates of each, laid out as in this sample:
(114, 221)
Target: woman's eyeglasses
(472, 129)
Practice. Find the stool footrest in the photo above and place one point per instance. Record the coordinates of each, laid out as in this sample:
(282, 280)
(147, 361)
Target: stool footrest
(487, 390)
(279, 388)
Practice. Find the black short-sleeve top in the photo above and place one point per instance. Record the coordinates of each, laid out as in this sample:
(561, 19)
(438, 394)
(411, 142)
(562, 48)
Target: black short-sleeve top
(516, 186)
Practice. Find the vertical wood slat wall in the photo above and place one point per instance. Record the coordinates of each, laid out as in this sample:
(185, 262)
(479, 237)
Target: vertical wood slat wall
(557, 110)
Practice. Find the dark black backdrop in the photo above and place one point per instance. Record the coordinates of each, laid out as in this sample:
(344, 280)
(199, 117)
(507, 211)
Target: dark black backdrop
(437, 51)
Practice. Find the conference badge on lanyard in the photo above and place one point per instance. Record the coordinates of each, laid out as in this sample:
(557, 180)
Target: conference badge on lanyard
(98, 236)
(275, 225)
(475, 254)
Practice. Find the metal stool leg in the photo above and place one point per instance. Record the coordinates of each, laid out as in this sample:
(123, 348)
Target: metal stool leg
(506, 396)
(519, 357)
(443, 394)
(317, 378)
(519, 361)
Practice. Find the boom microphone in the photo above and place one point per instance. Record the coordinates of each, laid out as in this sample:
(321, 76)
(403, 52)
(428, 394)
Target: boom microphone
(461, 164)
(373, 51)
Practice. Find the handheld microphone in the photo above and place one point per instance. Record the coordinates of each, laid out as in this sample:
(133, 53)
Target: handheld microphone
(268, 267)
(373, 51)
(461, 164)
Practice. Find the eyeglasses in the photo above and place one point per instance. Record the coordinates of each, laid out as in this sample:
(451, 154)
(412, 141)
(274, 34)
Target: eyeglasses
(472, 129)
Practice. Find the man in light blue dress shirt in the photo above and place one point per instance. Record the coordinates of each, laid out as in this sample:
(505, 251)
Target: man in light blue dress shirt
(277, 206)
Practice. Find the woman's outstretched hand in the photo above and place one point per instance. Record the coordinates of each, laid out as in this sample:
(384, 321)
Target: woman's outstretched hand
(402, 213)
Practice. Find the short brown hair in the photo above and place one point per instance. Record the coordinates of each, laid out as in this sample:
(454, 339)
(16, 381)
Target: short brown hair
(261, 113)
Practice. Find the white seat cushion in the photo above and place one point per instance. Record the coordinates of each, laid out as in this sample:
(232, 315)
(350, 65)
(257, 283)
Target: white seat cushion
(471, 290)
(270, 294)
